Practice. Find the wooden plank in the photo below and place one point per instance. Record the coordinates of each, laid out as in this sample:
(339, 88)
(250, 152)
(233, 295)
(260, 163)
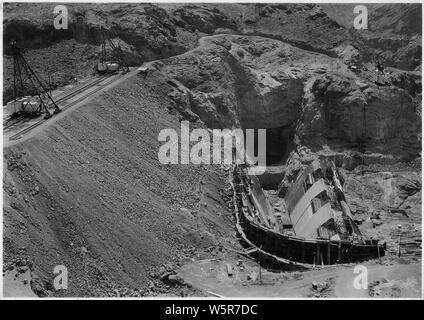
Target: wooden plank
(252, 250)
(318, 254)
(215, 294)
(340, 253)
(229, 269)
(329, 253)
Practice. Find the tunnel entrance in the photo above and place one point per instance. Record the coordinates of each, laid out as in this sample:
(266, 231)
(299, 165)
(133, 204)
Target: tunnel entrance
(279, 143)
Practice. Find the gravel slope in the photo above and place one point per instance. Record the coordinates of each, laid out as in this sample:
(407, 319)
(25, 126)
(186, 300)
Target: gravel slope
(89, 193)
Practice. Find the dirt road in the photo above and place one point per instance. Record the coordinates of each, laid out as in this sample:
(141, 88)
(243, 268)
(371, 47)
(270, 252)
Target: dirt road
(383, 280)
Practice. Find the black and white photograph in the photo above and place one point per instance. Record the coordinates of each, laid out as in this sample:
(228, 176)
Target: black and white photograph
(211, 151)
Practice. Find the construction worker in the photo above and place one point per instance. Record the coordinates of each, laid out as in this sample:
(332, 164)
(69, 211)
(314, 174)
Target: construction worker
(380, 67)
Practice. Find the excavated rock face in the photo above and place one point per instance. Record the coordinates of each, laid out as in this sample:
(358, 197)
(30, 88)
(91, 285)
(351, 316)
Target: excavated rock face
(201, 75)
(347, 111)
(396, 19)
(312, 105)
(393, 35)
(148, 32)
(404, 53)
(228, 89)
(306, 26)
(204, 19)
(253, 82)
(276, 96)
(241, 82)
(384, 198)
(348, 54)
(393, 189)
(149, 29)
(408, 80)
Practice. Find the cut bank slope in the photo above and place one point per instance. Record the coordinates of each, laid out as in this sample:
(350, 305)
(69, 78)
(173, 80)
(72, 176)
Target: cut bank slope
(89, 193)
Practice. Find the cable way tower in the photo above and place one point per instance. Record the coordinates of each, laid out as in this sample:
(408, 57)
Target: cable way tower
(115, 60)
(30, 96)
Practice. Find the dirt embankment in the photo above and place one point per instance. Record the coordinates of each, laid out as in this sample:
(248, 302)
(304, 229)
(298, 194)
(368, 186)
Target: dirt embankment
(89, 193)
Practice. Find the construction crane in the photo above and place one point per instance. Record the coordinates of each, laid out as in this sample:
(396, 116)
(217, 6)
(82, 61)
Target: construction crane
(117, 60)
(26, 82)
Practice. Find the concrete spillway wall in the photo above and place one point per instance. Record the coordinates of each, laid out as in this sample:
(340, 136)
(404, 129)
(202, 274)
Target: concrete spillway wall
(292, 249)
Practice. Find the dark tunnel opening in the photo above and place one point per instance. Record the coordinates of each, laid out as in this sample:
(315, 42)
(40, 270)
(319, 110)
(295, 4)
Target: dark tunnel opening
(279, 143)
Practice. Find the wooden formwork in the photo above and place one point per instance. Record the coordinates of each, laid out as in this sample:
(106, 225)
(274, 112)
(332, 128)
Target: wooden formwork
(299, 251)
